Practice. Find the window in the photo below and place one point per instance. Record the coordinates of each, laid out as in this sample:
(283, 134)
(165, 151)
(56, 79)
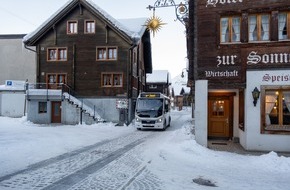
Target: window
(112, 53)
(218, 108)
(230, 29)
(112, 80)
(42, 107)
(284, 26)
(101, 53)
(55, 80)
(72, 27)
(259, 27)
(276, 108)
(89, 27)
(56, 54)
(107, 53)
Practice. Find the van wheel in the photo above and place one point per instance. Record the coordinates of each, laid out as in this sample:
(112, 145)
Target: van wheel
(164, 126)
(169, 122)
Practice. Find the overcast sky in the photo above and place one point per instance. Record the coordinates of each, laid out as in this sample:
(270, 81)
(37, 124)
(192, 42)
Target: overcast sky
(168, 45)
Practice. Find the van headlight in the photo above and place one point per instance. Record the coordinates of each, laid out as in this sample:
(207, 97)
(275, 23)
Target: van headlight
(138, 120)
(159, 120)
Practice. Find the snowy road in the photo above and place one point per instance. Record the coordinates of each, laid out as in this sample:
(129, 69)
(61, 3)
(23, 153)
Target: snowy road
(111, 164)
(106, 157)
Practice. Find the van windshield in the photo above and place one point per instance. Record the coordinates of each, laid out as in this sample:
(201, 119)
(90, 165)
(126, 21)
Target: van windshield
(149, 107)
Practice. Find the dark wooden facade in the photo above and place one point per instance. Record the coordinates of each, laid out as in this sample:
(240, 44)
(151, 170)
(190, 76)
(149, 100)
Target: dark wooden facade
(81, 69)
(224, 64)
(158, 87)
(236, 48)
(159, 81)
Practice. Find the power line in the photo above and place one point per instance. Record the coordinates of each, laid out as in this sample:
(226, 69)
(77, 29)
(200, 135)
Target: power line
(17, 16)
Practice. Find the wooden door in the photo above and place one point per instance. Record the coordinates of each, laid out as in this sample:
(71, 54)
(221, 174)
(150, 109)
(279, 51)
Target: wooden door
(218, 118)
(55, 112)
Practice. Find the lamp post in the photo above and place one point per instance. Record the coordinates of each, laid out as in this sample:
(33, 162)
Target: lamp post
(182, 73)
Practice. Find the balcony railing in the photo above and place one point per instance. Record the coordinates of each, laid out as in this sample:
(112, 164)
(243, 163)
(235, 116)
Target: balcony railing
(61, 91)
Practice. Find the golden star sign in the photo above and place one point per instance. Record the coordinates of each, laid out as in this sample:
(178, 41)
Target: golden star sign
(154, 24)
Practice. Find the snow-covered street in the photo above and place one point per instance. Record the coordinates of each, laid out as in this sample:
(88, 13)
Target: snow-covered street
(103, 156)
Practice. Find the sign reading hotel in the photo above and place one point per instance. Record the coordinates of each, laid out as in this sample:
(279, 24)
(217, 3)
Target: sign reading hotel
(222, 2)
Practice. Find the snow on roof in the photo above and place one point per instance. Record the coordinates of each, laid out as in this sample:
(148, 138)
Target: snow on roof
(134, 28)
(135, 25)
(11, 88)
(159, 76)
(28, 36)
(179, 83)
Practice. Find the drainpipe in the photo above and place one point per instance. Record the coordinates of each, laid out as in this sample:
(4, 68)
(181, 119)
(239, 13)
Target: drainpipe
(26, 47)
(37, 71)
(129, 82)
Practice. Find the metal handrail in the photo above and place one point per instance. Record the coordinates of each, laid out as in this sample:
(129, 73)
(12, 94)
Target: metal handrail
(66, 93)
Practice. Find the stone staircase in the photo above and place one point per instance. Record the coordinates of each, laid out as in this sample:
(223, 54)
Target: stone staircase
(89, 114)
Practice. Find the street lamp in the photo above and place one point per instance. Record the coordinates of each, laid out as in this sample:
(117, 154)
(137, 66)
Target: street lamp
(182, 73)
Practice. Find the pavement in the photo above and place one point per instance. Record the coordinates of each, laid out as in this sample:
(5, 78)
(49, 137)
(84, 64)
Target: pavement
(235, 147)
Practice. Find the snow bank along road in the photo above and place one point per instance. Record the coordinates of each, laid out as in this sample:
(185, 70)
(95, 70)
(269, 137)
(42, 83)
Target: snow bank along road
(111, 164)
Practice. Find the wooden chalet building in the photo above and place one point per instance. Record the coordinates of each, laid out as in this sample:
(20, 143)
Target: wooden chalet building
(90, 60)
(235, 49)
(158, 81)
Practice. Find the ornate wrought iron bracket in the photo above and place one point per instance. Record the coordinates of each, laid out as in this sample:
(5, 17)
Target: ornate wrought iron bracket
(181, 9)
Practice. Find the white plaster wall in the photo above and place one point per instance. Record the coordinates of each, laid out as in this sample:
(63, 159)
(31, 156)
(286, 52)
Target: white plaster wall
(70, 114)
(200, 111)
(17, 62)
(34, 116)
(254, 140)
(0, 103)
(12, 104)
(106, 108)
(236, 115)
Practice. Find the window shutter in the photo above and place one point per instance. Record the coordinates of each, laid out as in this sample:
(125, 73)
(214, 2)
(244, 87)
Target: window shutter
(244, 28)
(274, 26)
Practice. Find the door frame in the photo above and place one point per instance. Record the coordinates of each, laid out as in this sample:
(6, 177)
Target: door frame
(230, 97)
(53, 118)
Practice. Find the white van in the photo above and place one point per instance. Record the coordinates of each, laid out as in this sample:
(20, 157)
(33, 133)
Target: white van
(152, 111)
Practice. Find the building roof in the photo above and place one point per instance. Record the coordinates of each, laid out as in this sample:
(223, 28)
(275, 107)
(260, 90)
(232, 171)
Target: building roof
(131, 29)
(179, 85)
(12, 36)
(159, 76)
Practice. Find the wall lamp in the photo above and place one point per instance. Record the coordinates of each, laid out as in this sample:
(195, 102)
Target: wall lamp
(256, 95)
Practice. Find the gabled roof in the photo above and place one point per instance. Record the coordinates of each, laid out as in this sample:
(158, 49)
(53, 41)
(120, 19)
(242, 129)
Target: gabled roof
(179, 85)
(130, 29)
(159, 76)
